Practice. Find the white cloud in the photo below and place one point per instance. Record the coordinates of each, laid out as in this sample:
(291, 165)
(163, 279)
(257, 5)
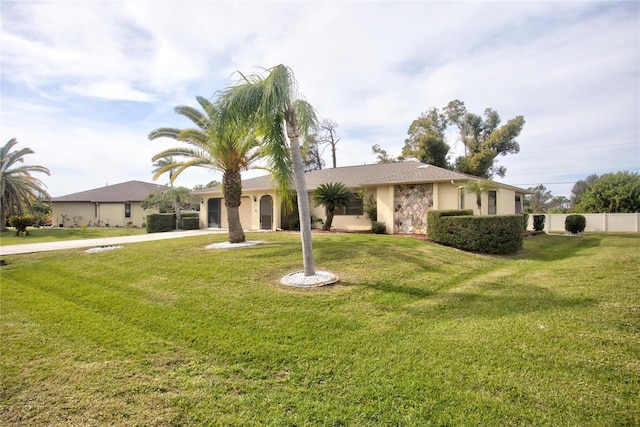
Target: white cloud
(84, 82)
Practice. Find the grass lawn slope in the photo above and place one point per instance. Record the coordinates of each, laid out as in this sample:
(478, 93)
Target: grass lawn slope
(170, 333)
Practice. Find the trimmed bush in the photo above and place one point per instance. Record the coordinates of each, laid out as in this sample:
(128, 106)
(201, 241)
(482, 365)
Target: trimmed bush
(21, 222)
(538, 222)
(161, 222)
(575, 223)
(378, 227)
(526, 220)
(495, 234)
(190, 223)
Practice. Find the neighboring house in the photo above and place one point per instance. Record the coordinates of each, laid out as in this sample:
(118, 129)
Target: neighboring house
(404, 192)
(110, 206)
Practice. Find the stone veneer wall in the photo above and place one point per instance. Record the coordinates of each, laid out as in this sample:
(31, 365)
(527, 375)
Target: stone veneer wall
(412, 201)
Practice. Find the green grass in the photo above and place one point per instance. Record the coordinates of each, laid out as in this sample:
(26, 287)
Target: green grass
(169, 333)
(42, 235)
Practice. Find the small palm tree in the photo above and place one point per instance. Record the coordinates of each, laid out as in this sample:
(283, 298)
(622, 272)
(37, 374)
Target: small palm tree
(219, 142)
(477, 188)
(272, 105)
(18, 189)
(331, 196)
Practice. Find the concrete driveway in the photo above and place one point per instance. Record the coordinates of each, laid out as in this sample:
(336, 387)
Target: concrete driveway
(107, 241)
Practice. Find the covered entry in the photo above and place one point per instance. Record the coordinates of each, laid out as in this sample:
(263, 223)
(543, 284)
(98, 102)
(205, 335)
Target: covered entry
(266, 213)
(213, 213)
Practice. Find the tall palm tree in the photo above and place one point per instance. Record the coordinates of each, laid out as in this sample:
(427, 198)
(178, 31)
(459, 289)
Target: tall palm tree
(161, 163)
(18, 189)
(331, 195)
(218, 142)
(271, 103)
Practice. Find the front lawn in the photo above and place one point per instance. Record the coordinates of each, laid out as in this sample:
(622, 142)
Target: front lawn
(49, 234)
(169, 333)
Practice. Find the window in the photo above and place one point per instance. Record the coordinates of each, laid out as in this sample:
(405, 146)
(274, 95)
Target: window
(461, 199)
(354, 206)
(518, 205)
(127, 210)
(493, 197)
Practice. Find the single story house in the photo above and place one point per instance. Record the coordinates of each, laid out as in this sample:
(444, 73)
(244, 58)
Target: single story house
(404, 192)
(110, 206)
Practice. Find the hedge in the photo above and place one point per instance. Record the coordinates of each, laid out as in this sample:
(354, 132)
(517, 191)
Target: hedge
(190, 223)
(575, 223)
(161, 222)
(494, 234)
(538, 222)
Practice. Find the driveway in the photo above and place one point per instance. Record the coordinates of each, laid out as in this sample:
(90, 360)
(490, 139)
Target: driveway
(107, 241)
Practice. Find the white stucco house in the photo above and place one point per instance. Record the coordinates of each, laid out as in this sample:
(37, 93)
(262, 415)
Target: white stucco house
(404, 192)
(112, 205)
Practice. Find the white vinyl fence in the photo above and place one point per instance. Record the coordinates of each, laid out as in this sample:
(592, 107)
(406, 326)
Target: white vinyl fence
(618, 222)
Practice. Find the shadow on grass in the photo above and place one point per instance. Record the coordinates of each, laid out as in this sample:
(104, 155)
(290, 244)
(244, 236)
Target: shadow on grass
(555, 248)
(497, 300)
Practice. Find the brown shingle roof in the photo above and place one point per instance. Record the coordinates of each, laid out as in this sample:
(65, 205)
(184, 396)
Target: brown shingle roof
(360, 176)
(131, 191)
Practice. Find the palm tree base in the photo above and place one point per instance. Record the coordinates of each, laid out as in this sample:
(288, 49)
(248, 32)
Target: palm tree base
(320, 278)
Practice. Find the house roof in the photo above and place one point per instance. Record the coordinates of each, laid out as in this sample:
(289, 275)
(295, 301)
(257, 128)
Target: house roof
(361, 176)
(130, 191)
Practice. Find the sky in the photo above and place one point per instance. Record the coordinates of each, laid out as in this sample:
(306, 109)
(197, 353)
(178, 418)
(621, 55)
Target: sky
(84, 82)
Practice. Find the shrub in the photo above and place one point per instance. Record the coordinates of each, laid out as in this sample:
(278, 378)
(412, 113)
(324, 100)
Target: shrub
(294, 224)
(161, 222)
(575, 223)
(190, 223)
(538, 222)
(495, 234)
(525, 217)
(378, 227)
(21, 222)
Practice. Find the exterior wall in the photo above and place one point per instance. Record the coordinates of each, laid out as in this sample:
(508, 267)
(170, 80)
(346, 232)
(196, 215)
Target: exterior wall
(607, 222)
(84, 210)
(446, 197)
(246, 209)
(249, 211)
(412, 201)
(384, 201)
(107, 213)
(506, 200)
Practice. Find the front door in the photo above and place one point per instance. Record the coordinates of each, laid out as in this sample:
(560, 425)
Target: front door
(213, 213)
(266, 213)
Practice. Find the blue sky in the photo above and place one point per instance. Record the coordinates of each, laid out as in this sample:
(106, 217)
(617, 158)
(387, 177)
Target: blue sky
(83, 82)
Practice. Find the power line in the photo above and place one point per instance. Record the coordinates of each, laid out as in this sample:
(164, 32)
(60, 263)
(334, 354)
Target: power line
(581, 148)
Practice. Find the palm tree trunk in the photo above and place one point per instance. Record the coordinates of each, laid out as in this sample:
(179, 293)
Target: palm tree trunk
(304, 211)
(232, 191)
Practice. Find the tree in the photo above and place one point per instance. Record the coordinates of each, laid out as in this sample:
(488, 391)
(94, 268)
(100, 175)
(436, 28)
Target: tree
(540, 200)
(221, 142)
(477, 188)
(331, 195)
(483, 140)
(156, 200)
(311, 156)
(18, 188)
(580, 187)
(328, 136)
(427, 142)
(271, 103)
(168, 164)
(383, 156)
(612, 193)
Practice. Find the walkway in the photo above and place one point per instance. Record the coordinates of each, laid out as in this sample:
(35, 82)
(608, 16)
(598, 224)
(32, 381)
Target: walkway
(106, 241)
